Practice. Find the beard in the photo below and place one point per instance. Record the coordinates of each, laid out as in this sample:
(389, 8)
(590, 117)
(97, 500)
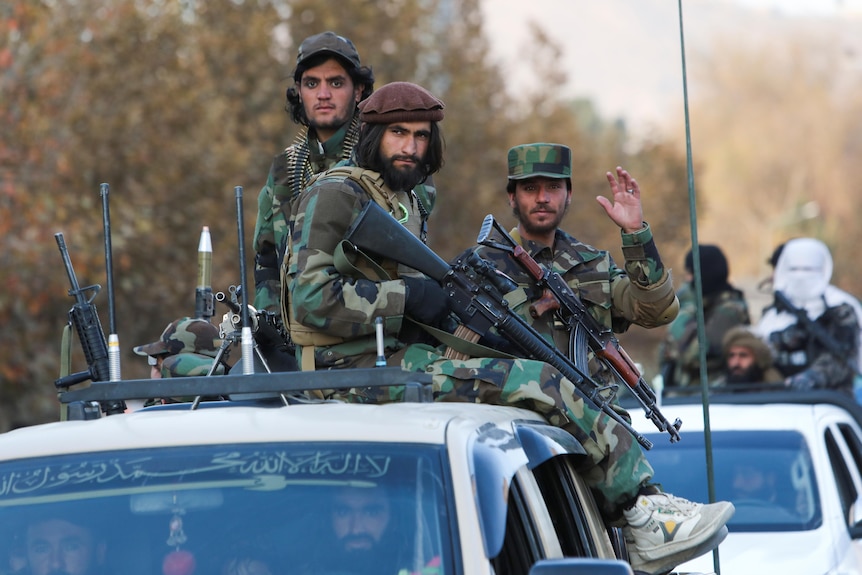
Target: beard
(540, 229)
(402, 179)
(751, 375)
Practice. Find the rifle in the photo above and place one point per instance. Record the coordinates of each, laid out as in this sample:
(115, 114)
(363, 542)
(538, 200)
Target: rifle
(585, 331)
(474, 297)
(85, 320)
(823, 337)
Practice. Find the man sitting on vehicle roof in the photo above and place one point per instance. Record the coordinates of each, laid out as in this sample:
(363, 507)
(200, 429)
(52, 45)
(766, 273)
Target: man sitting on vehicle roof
(332, 308)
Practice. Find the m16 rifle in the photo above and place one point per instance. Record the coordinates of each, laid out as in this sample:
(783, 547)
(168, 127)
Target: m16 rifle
(585, 332)
(85, 320)
(473, 296)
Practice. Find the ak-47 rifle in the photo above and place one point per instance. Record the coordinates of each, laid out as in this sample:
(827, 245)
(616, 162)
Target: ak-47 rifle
(471, 284)
(85, 320)
(816, 331)
(585, 332)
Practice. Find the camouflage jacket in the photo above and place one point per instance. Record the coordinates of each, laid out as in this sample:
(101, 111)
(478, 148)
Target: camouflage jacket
(290, 172)
(811, 365)
(611, 296)
(609, 293)
(331, 305)
(680, 350)
(288, 176)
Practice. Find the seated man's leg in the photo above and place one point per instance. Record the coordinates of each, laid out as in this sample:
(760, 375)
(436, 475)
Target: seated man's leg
(663, 530)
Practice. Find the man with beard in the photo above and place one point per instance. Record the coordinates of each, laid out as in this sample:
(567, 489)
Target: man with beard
(335, 298)
(539, 191)
(59, 546)
(329, 81)
(366, 542)
(747, 359)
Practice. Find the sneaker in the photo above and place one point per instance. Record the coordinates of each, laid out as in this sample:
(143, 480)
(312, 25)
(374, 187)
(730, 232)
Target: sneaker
(666, 565)
(663, 526)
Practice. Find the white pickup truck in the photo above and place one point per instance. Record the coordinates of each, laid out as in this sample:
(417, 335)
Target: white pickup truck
(791, 463)
(258, 480)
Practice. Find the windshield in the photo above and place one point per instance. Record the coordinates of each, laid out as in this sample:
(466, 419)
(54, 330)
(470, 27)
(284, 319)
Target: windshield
(260, 509)
(766, 474)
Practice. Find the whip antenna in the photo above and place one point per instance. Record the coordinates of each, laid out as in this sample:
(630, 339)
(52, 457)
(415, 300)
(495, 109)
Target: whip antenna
(247, 338)
(113, 338)
(698, 287)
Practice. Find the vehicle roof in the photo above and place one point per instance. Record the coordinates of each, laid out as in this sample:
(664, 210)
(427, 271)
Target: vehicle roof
(331, 421)
(771, 410)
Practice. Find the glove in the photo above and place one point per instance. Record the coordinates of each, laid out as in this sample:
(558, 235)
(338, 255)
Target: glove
(425, 301)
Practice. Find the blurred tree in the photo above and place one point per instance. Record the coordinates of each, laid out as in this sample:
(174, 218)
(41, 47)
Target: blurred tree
(779, 125)
(175, 103)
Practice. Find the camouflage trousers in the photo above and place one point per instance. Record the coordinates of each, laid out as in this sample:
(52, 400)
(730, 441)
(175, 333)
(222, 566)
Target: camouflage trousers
(619, 467)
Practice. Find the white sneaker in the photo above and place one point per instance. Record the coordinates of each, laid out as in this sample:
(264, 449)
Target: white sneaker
(664, 527)
(667, 564)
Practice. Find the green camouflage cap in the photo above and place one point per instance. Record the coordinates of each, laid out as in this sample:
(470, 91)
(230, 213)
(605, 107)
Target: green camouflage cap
(185, 335)
(188, 365)
(539, 159)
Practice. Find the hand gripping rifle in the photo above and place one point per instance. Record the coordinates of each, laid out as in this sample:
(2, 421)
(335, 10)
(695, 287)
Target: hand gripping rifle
(473, 296)
(85, 320)
(585, 331)
(815, 330)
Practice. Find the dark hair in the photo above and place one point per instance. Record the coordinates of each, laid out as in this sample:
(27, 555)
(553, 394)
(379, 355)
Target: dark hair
(512, 184)
(362, 76)
(367, 149)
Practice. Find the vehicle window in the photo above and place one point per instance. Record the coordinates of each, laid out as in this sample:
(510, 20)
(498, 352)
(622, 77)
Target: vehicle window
(768, 475)
(565, 507)
(851, 437)
(521, 545)
(843, 479)
(316, 507)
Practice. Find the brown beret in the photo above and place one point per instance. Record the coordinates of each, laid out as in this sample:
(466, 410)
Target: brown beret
(400, 102)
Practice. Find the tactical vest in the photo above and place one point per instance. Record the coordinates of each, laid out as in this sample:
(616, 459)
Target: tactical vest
(401, 205)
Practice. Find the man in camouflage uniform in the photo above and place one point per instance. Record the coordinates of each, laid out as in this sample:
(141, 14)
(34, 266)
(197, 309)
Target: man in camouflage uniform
(334, 301)
(329, 83)
(187, 347)
(539, 193)
(802, 273)
(724, 307)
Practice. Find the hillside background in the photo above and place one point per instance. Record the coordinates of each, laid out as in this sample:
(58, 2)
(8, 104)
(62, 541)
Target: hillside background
(173, 104)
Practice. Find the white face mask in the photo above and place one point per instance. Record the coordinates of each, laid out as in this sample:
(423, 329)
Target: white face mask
(803, 272)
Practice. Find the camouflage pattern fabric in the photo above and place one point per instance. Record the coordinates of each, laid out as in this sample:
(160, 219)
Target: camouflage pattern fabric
(722, 311)
(289, 175)
(611, 297)
(808, 363)
(340, 305)
(189, 365)
(184, 335)
(619, 466)
(540, 159)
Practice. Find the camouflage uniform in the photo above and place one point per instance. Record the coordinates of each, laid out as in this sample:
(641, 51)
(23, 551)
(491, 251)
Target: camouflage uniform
(288, 175)
(343, 306)
(188, 347)
(724, 307)
(802, 273)
(293, 168)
